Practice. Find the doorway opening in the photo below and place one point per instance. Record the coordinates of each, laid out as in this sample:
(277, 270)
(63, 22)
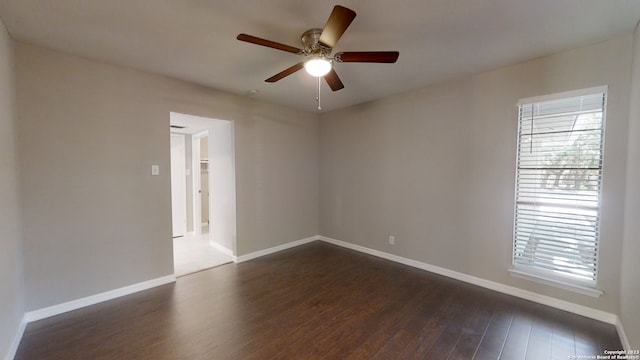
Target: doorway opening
(206, 177)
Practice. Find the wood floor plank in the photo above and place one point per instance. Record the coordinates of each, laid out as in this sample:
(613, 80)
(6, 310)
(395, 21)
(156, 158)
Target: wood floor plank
(478, 319)
(316, 301)
(496, 334)
(540, 337)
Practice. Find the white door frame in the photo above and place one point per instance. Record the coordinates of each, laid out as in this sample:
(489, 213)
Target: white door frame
(222, 186)
(178, 185)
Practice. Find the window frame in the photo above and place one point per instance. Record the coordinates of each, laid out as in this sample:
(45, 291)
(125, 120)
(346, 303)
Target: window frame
(537, 273)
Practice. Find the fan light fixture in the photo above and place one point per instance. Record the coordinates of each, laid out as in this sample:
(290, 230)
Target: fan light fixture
(317, 46)
(317, 66)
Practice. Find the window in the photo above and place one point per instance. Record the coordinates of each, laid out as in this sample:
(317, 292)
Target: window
(558, 186)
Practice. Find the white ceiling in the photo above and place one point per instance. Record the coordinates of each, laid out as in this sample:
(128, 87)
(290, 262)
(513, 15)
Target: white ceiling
(195, 40)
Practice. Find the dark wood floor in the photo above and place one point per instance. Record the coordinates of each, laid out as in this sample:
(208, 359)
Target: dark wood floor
(316, 301)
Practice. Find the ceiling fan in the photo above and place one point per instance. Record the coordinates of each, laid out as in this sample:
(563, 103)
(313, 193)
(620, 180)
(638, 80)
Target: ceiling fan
(317, 47)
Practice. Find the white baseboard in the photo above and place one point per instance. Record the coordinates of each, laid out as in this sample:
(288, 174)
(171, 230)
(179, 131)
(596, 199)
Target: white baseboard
(275, 249)
(623, 335)
(221, 248)
(94, 299)
(492, 285)
(13, 347)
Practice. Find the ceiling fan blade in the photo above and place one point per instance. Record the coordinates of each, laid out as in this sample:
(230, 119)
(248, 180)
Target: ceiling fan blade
(285, 72)
(333, 80)
(268, 43)
(338, 22)
(367, 56)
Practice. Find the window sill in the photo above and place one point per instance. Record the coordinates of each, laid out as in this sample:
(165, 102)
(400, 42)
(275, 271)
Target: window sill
(584, 290)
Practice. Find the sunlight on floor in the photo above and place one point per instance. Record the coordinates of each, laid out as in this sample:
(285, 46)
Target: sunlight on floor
(193, 253)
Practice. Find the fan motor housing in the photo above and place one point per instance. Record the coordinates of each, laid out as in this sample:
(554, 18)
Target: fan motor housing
(311, 43)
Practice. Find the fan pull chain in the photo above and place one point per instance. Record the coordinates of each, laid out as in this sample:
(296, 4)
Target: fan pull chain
(318, 100)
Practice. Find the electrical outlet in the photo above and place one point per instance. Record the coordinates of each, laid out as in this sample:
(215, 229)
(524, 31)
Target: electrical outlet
(392, 240)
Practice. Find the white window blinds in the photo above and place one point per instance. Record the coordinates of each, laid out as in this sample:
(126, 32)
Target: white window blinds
(558, 181)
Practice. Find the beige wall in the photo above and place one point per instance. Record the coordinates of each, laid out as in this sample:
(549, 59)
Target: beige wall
(94, 217)
(630, 286)
(436, 167)
(11, 280)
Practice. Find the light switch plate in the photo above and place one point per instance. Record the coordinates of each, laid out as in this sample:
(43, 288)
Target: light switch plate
(155, 170)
